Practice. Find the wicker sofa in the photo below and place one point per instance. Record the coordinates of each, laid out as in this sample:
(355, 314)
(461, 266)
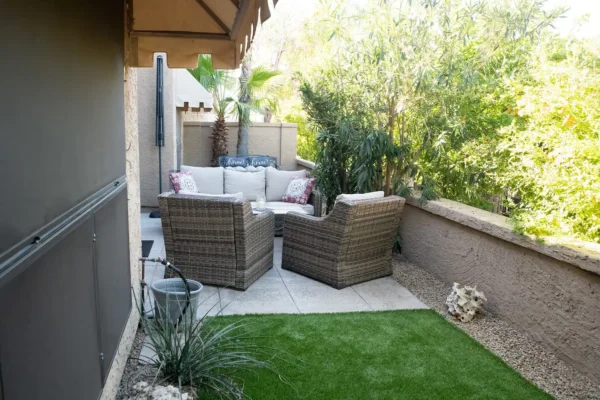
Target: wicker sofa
(352, 244)
(218, 180)
(217, 241)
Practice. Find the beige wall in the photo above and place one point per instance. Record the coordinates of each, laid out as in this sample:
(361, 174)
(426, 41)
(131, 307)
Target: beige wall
(551, 292)
(146, 92)
(273, 139)
(111, 387)
(304, 164)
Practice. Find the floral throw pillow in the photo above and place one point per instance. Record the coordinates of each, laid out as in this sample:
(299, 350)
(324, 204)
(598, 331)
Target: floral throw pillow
(183, 181)
(299, 190)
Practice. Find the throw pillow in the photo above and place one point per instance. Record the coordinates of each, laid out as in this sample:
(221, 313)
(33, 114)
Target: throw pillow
(208, 180)
(299, 190)
(182, 181)
(249, 183)
(278, 181)
(360, 196)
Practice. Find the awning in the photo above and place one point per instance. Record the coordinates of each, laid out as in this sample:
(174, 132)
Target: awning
(189, 93)
(185, 28)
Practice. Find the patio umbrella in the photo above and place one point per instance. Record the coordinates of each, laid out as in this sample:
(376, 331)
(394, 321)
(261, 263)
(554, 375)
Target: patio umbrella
(159, 139)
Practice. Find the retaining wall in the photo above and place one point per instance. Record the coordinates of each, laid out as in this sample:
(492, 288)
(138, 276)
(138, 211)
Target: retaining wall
(550, 291)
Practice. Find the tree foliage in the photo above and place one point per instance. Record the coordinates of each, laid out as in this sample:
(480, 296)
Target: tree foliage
(551, 150)
(469, 100)
(254, 93)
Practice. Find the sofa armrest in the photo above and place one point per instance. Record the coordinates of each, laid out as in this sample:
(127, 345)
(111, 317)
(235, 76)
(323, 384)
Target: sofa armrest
(316, 199)
(254, 237)
(312, 231)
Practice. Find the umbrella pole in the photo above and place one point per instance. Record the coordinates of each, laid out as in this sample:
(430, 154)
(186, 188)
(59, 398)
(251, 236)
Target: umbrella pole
(160, 133)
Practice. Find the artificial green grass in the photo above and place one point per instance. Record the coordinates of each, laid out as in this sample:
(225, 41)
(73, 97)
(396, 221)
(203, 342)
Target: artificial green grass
(413, 354)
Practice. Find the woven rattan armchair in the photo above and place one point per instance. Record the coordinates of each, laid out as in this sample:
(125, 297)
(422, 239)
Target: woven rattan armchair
(352, 244)
(217, 241)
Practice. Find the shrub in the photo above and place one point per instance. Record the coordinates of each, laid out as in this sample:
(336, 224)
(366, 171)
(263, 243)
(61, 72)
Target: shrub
(192, 353)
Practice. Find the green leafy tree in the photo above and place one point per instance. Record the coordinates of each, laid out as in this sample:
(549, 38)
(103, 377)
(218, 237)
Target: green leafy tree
(550, 153)
(429, 74)
(306, 136)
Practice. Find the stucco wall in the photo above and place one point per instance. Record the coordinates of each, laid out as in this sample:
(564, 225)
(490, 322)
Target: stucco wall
(273, 139)
(146, 93)
(304, 164)
(111, 387)
(551, 292)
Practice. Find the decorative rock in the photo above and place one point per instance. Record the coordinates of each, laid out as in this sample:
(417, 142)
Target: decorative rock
(158, 392)
(465, 302)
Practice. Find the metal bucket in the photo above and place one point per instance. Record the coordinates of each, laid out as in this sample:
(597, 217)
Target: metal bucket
(170, 298)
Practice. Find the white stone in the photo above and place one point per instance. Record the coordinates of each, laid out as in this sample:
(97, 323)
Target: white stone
(464, 303)
(145, 391)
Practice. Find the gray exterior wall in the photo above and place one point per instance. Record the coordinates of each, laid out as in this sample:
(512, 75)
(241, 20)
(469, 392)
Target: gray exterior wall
(62, 108)
(273, 139)
(64, 252)
(551, 292)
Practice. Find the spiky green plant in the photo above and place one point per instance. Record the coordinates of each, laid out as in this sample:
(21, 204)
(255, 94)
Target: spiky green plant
(192, 353)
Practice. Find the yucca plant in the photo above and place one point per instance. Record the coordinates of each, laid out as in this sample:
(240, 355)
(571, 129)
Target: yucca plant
(192, 353)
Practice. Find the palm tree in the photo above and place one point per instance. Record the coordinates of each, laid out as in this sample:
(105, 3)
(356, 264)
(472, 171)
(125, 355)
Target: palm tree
(218, 83)
(256, 93)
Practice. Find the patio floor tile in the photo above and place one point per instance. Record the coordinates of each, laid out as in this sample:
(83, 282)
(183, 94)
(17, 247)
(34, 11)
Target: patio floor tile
(209, 302)
(273, 298)
(387, 294)
(325, 299)
(282, 291)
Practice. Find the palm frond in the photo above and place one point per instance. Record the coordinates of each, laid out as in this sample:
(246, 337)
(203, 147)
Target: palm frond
(217, 82)
(259, 77)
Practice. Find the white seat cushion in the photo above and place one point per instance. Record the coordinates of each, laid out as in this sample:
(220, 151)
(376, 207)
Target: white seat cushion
(237, 196)
(278, 181)
(360, 196)
(249, 183)
(209, 180)
(280, 207)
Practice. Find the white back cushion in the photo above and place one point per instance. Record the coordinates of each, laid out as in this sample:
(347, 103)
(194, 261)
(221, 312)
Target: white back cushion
(249, 183)
(360, 196)
(278, 181)
(209, 180)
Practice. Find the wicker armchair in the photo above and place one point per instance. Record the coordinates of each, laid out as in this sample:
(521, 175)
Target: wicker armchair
(352, 244)
(217, 241)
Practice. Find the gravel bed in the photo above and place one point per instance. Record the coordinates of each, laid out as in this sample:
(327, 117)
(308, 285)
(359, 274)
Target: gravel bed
(517, 349)
(134, 371)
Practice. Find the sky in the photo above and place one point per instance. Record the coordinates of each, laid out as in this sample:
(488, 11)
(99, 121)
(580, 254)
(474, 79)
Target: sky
(304, 8)
(577, 8)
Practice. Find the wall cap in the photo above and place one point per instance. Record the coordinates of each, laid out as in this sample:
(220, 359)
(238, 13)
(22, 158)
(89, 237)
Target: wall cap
(585, 255)
(235, 124)
(305, 163)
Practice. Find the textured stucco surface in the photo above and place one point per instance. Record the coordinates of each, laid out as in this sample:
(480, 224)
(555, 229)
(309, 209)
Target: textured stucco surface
(585, 255)
(555, 302)
(113, 379)
(273, 139)
(146, 117)
(304, 164)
